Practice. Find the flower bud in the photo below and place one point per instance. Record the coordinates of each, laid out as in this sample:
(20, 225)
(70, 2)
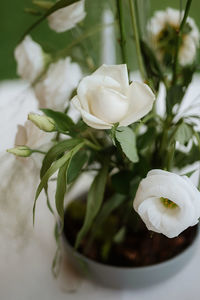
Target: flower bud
(42, 122)
(22, 151)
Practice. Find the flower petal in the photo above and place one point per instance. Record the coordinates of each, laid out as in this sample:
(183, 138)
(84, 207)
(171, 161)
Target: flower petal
(117, 72)
(141, 100)
(89, 119)
(91, 83)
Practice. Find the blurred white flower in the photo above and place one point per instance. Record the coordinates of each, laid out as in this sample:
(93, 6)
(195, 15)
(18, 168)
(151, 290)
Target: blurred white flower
(105, 98)
(55, 88)
(30, 59)
(163, 28)
(167, 203)
(66, 18)
(32, 136)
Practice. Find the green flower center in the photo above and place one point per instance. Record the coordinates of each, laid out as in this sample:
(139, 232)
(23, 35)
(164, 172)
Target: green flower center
(168, 203)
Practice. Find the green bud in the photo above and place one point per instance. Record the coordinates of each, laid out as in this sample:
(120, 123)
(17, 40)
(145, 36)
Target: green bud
(43, 4)
(43, 122)
(22, 151)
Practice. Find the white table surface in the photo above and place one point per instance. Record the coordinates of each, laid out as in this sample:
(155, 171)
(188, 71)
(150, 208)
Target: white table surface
(25, 259)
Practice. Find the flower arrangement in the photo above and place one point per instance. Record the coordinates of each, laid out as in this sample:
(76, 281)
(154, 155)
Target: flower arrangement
(135, 154)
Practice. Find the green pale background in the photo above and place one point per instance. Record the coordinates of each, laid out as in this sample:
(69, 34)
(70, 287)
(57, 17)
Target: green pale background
(13, 22)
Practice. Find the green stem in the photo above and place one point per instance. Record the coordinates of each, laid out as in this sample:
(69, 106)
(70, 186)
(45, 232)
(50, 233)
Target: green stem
(38, 151)
(137, 40)
(179, 34)
(122, 31)
(93, 138)
(93, 146)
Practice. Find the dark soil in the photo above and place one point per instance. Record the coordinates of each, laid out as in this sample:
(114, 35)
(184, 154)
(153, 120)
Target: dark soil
(138, 249)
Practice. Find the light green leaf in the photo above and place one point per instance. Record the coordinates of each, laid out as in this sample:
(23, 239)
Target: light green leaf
(55, 166)
(56, 6)
(127, 140)
(57, 150)
(94, 201)
(63, 122)
(184, 133)
(75, 165)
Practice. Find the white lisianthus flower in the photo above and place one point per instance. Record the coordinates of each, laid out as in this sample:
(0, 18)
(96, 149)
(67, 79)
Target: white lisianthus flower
(167, 203)
(30, 59)
(163, 28)
(105, 98)
(66, 18)
(55, 88)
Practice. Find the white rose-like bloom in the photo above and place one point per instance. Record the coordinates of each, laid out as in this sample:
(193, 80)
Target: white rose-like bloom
(158, 28)
(30, 59)
(55, 88)
(167, 203)
(66, 18)
(105, 98)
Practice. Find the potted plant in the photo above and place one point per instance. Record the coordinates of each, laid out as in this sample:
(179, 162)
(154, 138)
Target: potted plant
(135, 220)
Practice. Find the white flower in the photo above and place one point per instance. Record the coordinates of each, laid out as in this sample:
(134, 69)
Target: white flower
(105, 98)
(66, 18)
(55, 88)
(34, 138)
(30, 59)
(163, 28)
(167, 203)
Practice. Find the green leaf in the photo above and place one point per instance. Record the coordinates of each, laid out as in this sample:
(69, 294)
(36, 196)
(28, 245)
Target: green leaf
(75, 165)
(61, 190)
(108, 207)
(63, 122)
(56, 6)
(54, 153)
(120, 235)
(174, 95)
(127, 140)
(184, 133)
(94, 201)
(55, 166)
